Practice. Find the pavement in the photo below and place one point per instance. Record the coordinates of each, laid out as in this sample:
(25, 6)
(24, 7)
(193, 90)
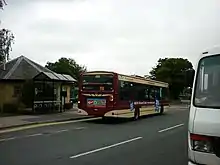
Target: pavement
(152, 140)
(23, 120)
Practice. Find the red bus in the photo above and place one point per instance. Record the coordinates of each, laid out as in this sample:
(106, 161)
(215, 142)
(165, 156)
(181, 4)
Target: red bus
(109, 94)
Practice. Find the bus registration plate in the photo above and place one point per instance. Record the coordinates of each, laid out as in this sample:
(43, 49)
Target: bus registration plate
(96, 102)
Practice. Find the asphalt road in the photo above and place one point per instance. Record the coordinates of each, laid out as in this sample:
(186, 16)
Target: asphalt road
(154, 140)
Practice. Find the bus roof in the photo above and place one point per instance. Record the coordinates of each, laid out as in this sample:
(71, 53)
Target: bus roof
(211, 51)
(142, 80)
(97, 72)
(135, 79)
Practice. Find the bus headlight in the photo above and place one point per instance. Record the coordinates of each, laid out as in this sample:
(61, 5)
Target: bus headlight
(203, 146)
(201, 143)
(78, 102)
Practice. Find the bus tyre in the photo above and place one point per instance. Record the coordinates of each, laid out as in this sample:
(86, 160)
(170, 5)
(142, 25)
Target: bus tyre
(103, 118)
(161, 110)
(137, 114)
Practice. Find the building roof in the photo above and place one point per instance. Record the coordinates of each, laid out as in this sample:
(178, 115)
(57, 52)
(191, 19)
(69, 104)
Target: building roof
(54, 77)
(22, 68)
(132, 78)
(68, 77)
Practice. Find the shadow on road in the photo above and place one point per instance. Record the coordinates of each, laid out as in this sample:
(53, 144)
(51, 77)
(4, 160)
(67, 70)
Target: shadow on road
(114, 120)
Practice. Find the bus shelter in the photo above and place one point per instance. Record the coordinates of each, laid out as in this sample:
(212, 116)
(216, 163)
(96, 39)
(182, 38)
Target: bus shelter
(51, 91)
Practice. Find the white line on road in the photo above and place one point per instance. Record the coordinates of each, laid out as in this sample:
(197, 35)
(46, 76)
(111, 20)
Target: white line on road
(13, 138)
(7, 139)
(169, 128)
(78, 128)
(63, 130)
(104, 148)
(37, 134)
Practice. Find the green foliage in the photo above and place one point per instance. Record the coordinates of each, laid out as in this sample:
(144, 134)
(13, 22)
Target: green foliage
(66, 66)
(178, 72)
(2, 3)
(6, 41)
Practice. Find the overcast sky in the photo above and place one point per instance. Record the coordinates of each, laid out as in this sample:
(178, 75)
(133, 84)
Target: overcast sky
(126, 36)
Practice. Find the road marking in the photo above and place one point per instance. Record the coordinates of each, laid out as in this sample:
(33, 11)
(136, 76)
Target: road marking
(37, 134)
(79, 128)
(46, 124)
(63, 130)
(104, 148)
(169, 128)
(179, 109)
(7, 139)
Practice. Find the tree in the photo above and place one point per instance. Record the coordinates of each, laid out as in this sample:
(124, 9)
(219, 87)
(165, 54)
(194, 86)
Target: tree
(66, 66)
(6, 41)
(178, 72)
(2, 3)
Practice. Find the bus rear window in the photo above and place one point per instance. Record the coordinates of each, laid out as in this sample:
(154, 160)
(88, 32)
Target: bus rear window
(97, 82)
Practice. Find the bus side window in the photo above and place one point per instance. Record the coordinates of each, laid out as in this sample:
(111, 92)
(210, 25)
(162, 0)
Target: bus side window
(157, 93)
(161, 96)
(140, 92)
(124, 90)
(151, 94)
(164, 93)
(147, 92)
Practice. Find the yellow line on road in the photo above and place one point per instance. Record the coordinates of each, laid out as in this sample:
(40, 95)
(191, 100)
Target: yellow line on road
(45, 124)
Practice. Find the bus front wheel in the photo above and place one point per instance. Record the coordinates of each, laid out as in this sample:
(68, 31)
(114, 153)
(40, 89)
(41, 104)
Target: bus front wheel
(104, 118)
(161, 110)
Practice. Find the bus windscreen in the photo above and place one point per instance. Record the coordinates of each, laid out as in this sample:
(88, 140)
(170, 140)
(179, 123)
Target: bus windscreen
(102, 82)
(207, 87)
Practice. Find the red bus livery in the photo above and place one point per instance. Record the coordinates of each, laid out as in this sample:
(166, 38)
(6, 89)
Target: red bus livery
(104, 93)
